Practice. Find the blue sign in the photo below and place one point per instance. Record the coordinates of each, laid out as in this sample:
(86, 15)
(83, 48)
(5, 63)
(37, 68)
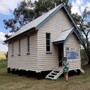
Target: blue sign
(71, 55)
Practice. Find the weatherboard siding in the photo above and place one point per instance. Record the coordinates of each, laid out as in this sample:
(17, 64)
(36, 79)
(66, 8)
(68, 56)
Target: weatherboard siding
(38, 60)
(55, 25)
(24, 61)
(72, 42)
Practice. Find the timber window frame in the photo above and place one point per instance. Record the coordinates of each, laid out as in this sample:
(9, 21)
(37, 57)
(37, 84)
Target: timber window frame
(12, 49)
(48, 43)
(19, 47)
(28, 44)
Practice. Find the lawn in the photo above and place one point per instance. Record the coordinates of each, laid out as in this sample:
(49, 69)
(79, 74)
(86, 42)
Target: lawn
(15, 82)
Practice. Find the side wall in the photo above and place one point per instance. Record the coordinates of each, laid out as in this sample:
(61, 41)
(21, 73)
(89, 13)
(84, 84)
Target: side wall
(55, 25)
(73, 44)
(24, 61)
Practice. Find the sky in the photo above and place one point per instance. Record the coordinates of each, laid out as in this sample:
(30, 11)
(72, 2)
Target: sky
(6, 12)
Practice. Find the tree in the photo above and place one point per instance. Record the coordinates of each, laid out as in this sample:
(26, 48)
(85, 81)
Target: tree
(84, 57)
(22, 15)
(28, 11)
(85, 29)
(83, 23)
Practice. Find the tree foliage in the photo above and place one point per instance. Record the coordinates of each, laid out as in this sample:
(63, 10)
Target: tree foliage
(85, 29)
(28, 11)
(84, 57)
(83, 23)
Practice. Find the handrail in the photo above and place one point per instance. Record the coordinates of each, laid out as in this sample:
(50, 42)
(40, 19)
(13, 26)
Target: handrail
(61, 60)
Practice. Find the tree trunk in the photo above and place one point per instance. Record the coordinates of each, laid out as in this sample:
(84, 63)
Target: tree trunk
(89, 60)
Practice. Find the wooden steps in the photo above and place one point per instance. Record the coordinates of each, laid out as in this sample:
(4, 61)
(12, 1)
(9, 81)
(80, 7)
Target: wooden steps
(54, 74)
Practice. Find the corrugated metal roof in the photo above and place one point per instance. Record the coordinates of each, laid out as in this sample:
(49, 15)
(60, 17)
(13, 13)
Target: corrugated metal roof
(36, 22)
(63, 35)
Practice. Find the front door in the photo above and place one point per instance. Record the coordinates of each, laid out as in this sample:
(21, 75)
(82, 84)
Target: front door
(61, 55)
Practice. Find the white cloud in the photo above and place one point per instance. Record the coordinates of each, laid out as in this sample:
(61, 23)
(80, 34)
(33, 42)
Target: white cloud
(2, 36)
(74, 8)
(6, 6)
(78, 6)
(88, 6)
(3, 47)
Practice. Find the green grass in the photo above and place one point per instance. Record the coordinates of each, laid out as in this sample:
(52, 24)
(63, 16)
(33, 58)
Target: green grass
(3, 64)
(15, 82)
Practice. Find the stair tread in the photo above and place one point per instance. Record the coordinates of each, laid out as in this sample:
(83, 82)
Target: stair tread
(51, 75)
(54, 74)
(56, 71)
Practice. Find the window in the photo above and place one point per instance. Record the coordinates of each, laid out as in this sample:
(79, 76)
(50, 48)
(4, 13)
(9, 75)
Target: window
(19, 47)
(47, 41)
(28, 43)
(12, 49)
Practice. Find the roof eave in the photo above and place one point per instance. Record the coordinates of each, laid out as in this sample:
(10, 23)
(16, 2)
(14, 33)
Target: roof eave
(73, 31)
(81, 41)
(58, 42)
(22, 34)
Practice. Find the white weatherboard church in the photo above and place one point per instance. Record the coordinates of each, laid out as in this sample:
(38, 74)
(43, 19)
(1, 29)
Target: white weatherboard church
(42, 44)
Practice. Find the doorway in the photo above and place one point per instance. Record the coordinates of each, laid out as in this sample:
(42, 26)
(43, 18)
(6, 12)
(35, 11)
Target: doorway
(61, 53)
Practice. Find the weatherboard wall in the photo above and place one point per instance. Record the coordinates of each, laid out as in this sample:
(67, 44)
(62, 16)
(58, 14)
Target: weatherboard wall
(73, 43)
(24, 61)
(54, 25)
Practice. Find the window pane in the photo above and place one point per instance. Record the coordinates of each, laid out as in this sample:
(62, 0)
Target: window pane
(28, 43)
(19, 46)
(48, 42)
(48, 48)
(12, 48)
(47, 35)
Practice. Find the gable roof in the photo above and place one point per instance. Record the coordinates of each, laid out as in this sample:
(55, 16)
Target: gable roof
(38, 22)
(65, 34)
